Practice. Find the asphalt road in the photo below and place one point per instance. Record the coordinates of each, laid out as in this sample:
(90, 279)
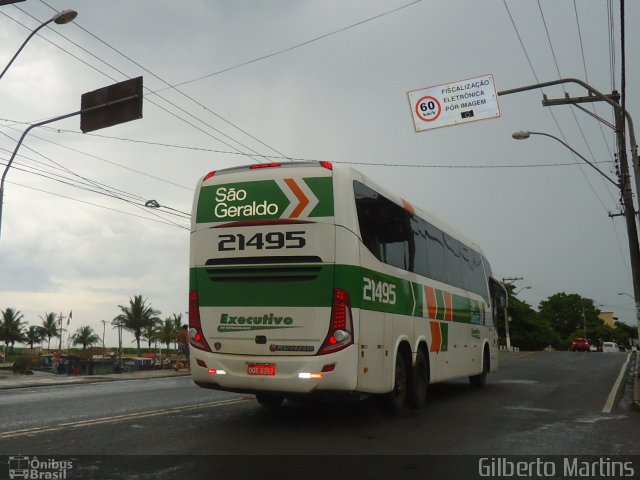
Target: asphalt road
(544, 403)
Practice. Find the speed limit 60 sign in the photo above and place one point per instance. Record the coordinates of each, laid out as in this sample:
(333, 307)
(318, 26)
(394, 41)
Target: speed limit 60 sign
(454, 103)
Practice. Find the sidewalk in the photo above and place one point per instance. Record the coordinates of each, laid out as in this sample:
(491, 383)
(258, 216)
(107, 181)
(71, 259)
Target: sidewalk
(9, 380)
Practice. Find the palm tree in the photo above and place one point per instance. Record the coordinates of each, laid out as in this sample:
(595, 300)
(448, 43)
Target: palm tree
(49, 327)
(150, 332)
(177, 325)
(85, 336)
(11, 328)
(33, 335)
(137, 316)
(167, 332)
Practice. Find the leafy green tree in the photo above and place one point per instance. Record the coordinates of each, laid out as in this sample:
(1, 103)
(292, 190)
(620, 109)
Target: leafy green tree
(85, 336)
(33, 335)
(11, 327)
(623, 332)
(569, 314)
(137, 316)
(49, 327)
(527, 329)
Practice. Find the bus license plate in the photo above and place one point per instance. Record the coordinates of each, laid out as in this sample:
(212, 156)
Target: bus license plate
(261, 369)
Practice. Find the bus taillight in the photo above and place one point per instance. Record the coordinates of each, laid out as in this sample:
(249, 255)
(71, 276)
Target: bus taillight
(265, 165)
(341, 325)
(196, 335)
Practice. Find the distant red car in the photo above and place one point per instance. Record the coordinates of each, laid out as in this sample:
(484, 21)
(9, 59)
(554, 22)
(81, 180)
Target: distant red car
(580, 345)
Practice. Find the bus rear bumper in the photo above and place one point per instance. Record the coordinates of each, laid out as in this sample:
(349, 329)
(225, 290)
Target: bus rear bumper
(293, 374)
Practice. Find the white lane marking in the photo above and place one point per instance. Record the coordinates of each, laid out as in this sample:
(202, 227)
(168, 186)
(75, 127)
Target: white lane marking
(612, 394)
(116, 418)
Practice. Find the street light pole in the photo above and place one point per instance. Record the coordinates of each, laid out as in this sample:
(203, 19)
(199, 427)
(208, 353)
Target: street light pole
(629, 214)
(620, 114)
(122, 100)
(61, 18)
(104, 325)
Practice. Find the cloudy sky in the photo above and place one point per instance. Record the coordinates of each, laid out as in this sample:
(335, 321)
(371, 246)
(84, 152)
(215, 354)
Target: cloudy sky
(231, 82)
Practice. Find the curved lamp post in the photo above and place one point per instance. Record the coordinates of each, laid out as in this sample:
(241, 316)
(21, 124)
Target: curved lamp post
(629, 214)
(523, 135)
(61, 18)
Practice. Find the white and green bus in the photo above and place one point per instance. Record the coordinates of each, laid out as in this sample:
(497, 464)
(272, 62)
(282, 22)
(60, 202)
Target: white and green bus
(307, 278)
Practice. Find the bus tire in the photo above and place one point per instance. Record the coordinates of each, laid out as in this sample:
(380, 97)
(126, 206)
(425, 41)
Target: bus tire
(480, 380)
(419, 381)
(396, 399)
(269, 400)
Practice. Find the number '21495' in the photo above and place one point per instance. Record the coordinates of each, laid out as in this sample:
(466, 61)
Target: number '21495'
(382, 292)
(260, 241)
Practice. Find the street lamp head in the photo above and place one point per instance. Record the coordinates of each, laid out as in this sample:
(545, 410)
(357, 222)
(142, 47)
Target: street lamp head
(627, 294)
(520, 289)
(521, 135)
(65, 16)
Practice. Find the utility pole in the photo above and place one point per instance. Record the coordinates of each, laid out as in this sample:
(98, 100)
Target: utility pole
(104, 324)
(624, 179)
(60, 318)
(508, 280)
(625, 183)
(118, 324)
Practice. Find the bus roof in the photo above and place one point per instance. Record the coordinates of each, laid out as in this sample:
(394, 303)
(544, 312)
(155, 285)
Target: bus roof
(352, 172)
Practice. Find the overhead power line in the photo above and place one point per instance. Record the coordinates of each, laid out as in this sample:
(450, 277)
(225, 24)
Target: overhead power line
(171, 224)
(301, 159)
(119, 165)
(113, 79)
(551, 112)
(108, 190)
(293, 47)
(573, 113)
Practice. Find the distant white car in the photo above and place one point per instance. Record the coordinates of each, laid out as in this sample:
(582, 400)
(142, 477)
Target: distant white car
(609, 347)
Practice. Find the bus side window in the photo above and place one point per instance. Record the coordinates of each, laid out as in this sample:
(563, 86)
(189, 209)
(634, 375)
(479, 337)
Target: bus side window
(418, 249)
(384, 227)
(452, 260)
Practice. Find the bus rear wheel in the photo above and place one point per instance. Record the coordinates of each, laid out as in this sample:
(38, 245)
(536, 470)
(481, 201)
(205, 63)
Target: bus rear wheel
(269, 400)
(419, 381)
(480, 380)
(396, 399)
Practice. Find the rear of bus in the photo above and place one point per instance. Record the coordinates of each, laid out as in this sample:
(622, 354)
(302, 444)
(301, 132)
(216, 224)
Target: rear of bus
(264, 315)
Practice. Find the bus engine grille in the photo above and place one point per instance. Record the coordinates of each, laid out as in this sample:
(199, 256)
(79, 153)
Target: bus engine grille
(263, 269)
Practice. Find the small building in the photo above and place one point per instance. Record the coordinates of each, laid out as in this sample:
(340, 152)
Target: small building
(608, 319)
